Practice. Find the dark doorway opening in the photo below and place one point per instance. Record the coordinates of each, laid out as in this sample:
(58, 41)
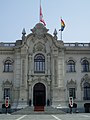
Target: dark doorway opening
(39, 95)
(87, 107)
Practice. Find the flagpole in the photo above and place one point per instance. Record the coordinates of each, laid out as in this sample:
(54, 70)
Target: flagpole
(41, 16)
(61, 34)
(61, 29)
(39, 11)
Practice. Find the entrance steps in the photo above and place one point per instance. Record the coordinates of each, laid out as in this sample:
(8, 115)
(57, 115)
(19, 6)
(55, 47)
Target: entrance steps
(39, 108)
(31, 110)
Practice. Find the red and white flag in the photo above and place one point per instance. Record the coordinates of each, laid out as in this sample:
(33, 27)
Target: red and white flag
(41, 17)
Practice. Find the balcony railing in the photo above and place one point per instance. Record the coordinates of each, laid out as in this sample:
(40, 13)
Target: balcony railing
(7, 44)
(77, 44)
(65, 44)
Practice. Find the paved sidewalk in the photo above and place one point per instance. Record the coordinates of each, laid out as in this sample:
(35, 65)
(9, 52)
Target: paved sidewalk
(82, 116)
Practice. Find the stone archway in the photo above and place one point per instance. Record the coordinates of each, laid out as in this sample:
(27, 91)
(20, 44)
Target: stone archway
(39, 94)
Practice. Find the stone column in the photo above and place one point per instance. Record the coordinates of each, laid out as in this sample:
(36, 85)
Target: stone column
(30, 64)
(17, 77)
(48, 64)
(59, 90)
(61, 69)
(17, 70)
(55, 71)
(23, 72)
(48, 97)
(30, 93)
(23, 84)
(26, 72)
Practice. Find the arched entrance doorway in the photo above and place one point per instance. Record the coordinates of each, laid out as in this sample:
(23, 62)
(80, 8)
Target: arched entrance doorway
(39, 94)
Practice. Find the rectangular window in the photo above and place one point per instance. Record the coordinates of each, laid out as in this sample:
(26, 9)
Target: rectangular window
(72, 92)
(8, 68)
(6, 92)
(39, 64)
(85, 68)
(86, 93)
(39, 67)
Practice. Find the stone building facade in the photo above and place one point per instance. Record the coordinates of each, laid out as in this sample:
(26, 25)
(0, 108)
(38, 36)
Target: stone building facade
(40, 70)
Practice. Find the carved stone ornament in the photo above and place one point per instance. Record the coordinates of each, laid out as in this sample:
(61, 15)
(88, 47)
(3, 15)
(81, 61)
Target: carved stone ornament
(39, 30)
(39, 47)
(71, 83)
(8, 58)
(7, 83)
(86, 78)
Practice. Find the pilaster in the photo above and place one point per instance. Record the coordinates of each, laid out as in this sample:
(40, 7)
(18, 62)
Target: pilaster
(48, 64)
(61, 69)
(23, 83)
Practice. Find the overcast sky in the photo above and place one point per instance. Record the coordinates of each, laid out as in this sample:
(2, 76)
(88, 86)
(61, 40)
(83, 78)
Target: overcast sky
(18, 14)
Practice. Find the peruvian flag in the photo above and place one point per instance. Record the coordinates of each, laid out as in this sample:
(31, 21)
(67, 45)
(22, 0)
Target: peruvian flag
(41, 17)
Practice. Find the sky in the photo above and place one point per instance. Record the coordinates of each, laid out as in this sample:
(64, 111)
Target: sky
(19, 14)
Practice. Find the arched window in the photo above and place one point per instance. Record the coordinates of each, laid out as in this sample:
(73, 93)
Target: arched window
(39, 63)
(85, 66)
(71, 66)
(8, 67)
(86, 91)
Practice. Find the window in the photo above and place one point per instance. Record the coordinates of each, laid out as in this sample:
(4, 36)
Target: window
(85, 66)
(71, 66)
(39, 63)
(6, 92)
(8, 67)
(86, 91)
(72, 92)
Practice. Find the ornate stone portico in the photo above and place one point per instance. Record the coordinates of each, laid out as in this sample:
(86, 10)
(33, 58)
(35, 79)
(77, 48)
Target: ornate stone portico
(42, 80)
(39, 51)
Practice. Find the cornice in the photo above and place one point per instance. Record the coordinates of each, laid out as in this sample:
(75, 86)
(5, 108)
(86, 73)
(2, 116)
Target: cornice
(6, 52)
(77, 48)
(77, 51)
(6, 48)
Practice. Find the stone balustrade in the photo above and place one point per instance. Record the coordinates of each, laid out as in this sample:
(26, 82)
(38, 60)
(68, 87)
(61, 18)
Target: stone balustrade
(7, 44)
(77, 44)
(65, 44)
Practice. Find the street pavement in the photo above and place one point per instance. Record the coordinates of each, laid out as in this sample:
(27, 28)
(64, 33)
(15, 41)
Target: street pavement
(78, 116)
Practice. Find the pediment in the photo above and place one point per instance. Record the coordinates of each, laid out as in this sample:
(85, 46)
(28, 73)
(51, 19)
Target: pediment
(71, 84)
(8, 58)
(7, 83)
(39, 30)
(86, 78)
(41, 36)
